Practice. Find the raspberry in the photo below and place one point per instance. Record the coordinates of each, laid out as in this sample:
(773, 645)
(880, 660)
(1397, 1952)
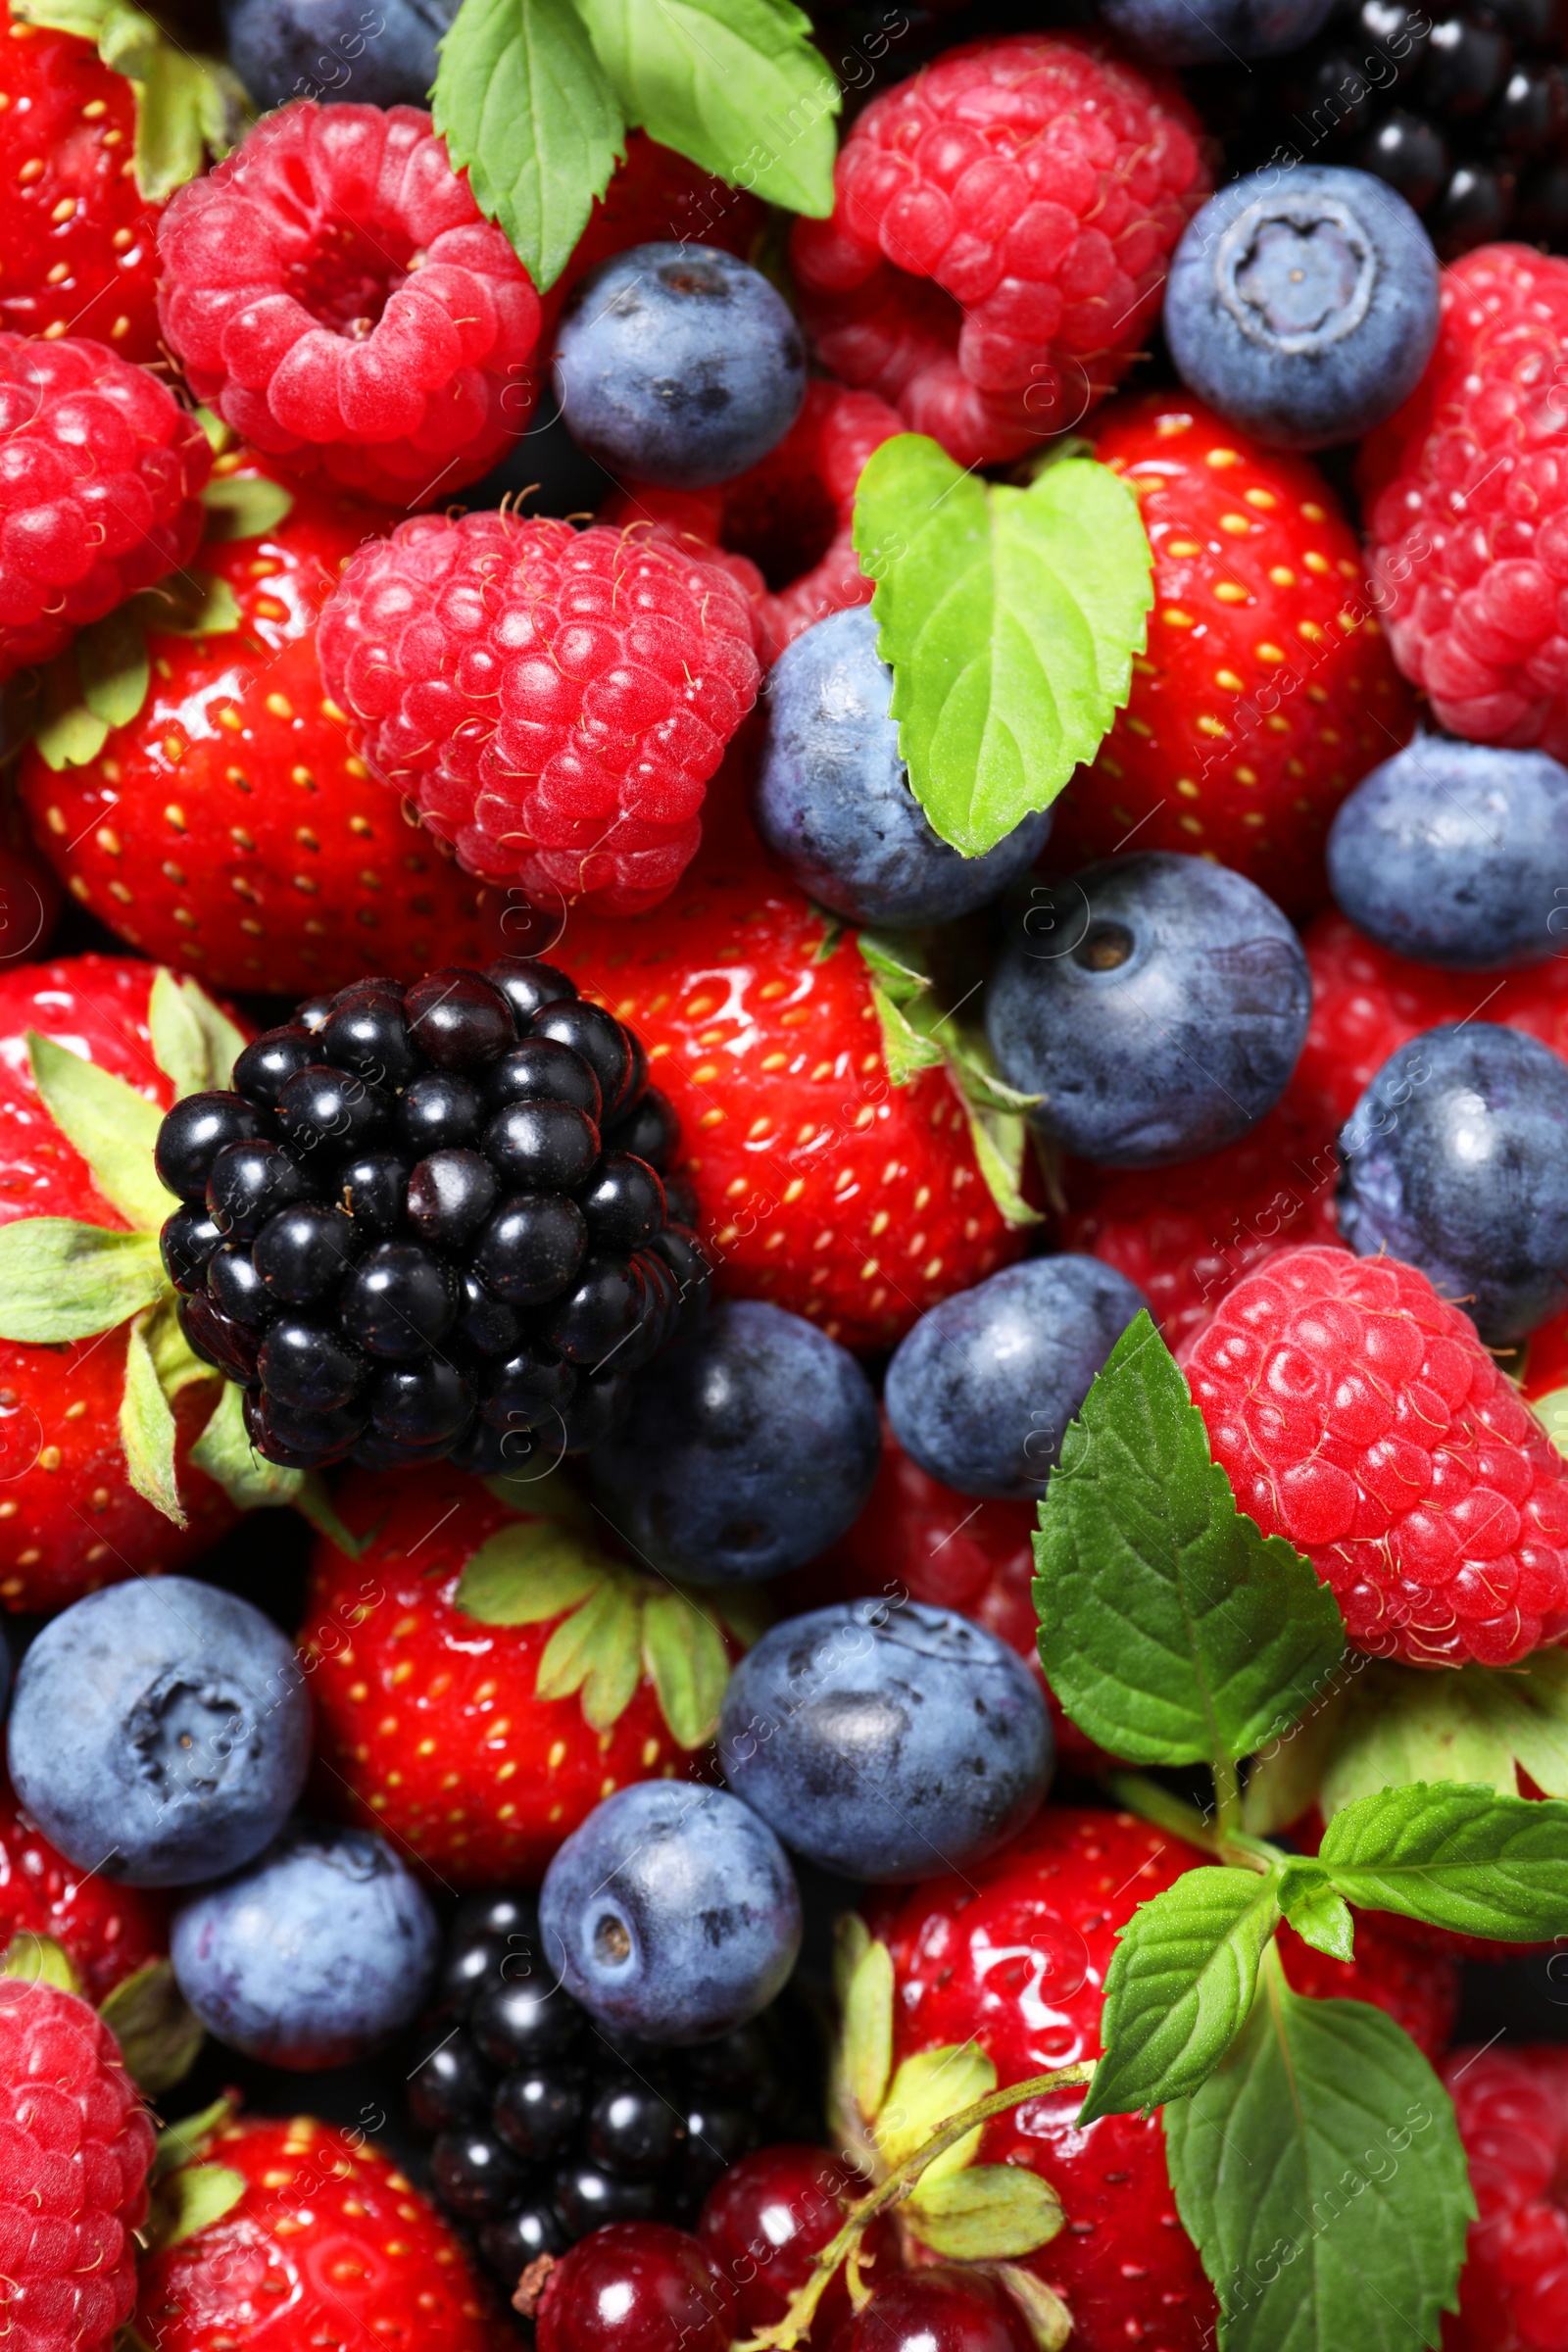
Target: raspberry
(1000, 231)
(1469, 524)
(1512, 2108)
(334, 293)
(100, 480)
(72, 2177)
(555, 701)
(1358, 1415)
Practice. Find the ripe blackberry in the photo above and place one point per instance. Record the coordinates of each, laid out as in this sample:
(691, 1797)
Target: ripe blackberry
(1465, 112)
(414, 1229)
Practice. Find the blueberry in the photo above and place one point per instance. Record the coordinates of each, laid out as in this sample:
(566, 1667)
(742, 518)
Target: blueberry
(650, 1131)
(237, 1287)
(303, 1253)
(187, 1244)
(450, 1196)
(749, 1449)
(537, 2112)
(308, 1367)
(531, 1249)
(1453, 1160)
(161, 1732)
(368, 1033)
(1450, 853)
(336, 49)
(981, 1390)
(375, 1190)
(329, 1115)
(886, 1742)
(417, 1405)
(314, 1954)
(1303, 303)
(457, 1020)
(832, 796)
(671, 1913)
(1155, 1003)
(398, 1301)
(266, 1065)
(541, 1145)
(192, 1135)
(541, 1067)
(597, 1038)
(678, 365)
(1204, 33)
(440, 1111)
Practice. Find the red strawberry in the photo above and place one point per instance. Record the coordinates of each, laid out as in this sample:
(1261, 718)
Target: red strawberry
(822, 1185)
(323, 2244)
(480, 1741)
(232, 826)
(106, 1932)
(1266, 691)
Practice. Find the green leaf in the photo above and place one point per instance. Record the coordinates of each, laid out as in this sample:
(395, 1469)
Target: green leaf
(147, 1427)
(684, 1654)
(1456, 1857)
(928, 2089)
(1320, 2173)
(39, 1960)
(175, 1360)
(597, 1651)
(113, 666)
(1179, 1987)
(985, 2213)
(244, 506)
(189, 603)
(1172, 1631)
(893, 964)
(525, 108)
(67, 733)
(1321, 1919)
(183, 2142)
(112, 1126)
(528, 1572)
(1479, 1724)
(192, 2199)
(159, 2035)
(735, 84)
(60, 1279)
(194, 1041)
(224, 1455)
(1010, 618)
(903, 1048)
(1284, 1779)
(1000, 1141)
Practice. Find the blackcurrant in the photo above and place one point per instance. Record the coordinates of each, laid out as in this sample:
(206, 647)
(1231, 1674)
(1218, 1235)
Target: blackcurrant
(399, 1301)
(526, 2020)
(527, 1390)
(539, 1069)
(487, 1324)
(458, 1020)
(451, 2086)
(602, 1042)
(477, 2175)
(623, 1202)
(588, 2200)
(683, 1253)
(186, 1244)
(300, 1440)
(329, 1115)
(633, 2131)
(417, 1405)
(486, 1451)
(368, 1035)
(251, 1182)
(440, 1111)
(303, 1253)
(218, 1340)
(600, 1311)
(528, 986)
(649, 1131)
(450, 1196)
(519, 2238)
(238, 1289)
(194, 1133)
(310, 1367)
(541, 1147)
(532, 1248)
(592, 1412)
(375, 1188)
(265, 1068)
(537, 2111)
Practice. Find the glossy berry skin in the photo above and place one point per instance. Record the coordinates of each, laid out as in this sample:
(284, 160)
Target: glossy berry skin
(103, 489)
(1303, 305)
(764, 2222)
(886, 1742)
(1512, 2108)
(1358, 1414)
(747, 1449)
(946, 2309)
(679, 368)
(120, 1740)
(1452, 1160)
(636, 2286)
(671, 1914)
(264, 295)
(380, 56)
(1214, 31)
(193, 1133)
(995, 284)
(1156, 1004)
(832, 799)
(981, 1390)
(106, 1932)
(1446, 853)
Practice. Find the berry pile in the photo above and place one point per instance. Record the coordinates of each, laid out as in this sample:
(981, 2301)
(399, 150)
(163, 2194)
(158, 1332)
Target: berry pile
(427, 1222)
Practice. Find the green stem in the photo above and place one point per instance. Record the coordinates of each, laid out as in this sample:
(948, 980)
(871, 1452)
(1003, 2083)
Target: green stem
(786, 2333)
(1168, 1811)
(1227, 1797)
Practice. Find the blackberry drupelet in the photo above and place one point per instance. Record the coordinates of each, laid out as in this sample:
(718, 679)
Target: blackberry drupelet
(430, 1221)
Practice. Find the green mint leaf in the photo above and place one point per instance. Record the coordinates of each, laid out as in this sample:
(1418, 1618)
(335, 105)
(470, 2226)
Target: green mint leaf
(985, 2213)
(1010, 618)
(244, 506)
(1320, 1918)
(39, 1960)
(224, 1455)
(734, 85)
(61, 1280)
(1479, 1724)
(684, 1654)
(159, 2035)
(1320, 2173)
(527, 109)
(1172, 1631)
(147, 1427)
(1179, 1987)
(113, 666)
(112, 1126)
(1459, 1857)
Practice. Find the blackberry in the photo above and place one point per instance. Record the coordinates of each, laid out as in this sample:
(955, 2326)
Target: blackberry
(429, 1222)
(1466, 114)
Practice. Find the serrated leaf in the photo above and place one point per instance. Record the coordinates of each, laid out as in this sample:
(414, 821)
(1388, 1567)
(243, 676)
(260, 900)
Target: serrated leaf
(193, 2200)
(685, 1657)
(113, 666)
(1172, 1630)
(189, 603)
(929, 2089)
(113, 1126)
(147, 1427)
(183, 2142)
(1320, 2173)
(160, 2037)
(525, 107)
(61, 1280)
(1322, 1918)
(66, 732)
(734, 85)
(39, 1960)
(1179, 1987)
(224, 1455)
(866, 2046)
(1478, 1724)
(597, 1651)
(985, 2213)
(528, 1572)
(1010, 620)
(1456, 1857)
(244, 506)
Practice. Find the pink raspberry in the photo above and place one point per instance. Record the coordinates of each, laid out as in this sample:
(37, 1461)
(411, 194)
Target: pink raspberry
(331, 290)
(1357, 1415)
(554, 701)
(1512, 2107)
(101, 474)
(999, 239)
(1467, 494)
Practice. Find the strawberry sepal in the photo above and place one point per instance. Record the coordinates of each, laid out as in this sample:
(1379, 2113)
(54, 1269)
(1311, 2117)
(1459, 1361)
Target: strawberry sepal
(188, 107)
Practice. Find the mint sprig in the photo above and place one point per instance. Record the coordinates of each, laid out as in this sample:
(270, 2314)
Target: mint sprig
(1456, 1857)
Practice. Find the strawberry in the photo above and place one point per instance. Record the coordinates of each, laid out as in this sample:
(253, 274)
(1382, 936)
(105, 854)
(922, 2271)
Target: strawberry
(484, 1675)
(1267, 688)
(228, 824)
(830, 1178)
(292, 2236)
(108, 1933)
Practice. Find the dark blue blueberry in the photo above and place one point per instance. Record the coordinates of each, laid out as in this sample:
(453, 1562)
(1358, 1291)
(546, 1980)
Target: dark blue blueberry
(161, 1732)
(1211, 32)
(314, 1954)
(981, 1390)
(336, 50)
(832, 798)
(1453, 1159)
(678, 365)
(457, 1020)
(671, 1913)
(748, 1449)
(192, 1135)
(886, 1742)
(1303, 303)
(1457, 853)
(1157, 1003)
